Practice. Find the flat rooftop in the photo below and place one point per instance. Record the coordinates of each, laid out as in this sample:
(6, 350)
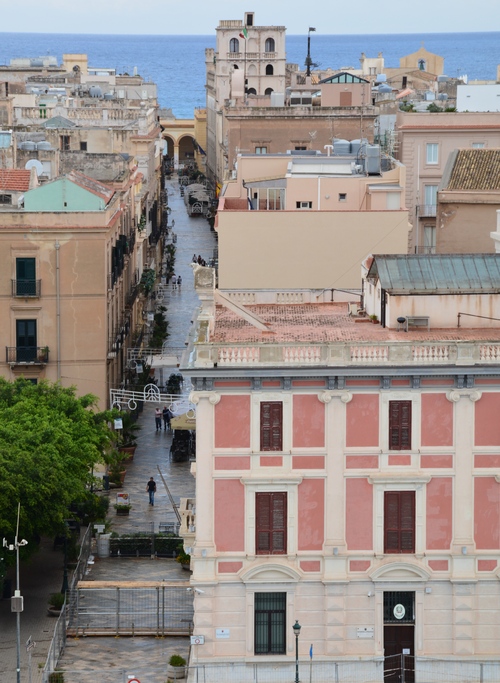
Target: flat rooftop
(325, 323)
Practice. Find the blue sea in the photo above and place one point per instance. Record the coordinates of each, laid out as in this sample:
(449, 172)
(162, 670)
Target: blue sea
(177, 63)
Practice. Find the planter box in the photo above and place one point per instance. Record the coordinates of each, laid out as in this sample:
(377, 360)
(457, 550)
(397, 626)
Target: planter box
(176, 673)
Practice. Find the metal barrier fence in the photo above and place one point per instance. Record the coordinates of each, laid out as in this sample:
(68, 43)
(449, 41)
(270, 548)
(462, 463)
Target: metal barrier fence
(427, 670)
(57, 645)
(165, 609)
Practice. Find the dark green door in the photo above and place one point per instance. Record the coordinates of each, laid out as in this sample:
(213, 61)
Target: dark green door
(25, 341)
(25, 277)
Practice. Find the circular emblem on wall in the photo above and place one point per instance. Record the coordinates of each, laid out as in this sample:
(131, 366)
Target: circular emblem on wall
(399, 611)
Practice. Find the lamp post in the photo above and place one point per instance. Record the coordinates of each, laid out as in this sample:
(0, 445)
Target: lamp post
(296, 630)
(16, 603)
(308, 58)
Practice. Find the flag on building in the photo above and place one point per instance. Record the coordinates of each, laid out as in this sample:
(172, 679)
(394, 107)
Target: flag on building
(311, 651)
(244, 33)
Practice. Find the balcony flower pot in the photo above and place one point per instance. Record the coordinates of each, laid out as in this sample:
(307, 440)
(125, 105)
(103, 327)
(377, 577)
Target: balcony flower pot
(43, 354)
(176, 669)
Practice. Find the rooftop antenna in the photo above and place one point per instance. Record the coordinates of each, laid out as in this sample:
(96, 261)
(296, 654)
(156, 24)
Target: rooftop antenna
(308, 58)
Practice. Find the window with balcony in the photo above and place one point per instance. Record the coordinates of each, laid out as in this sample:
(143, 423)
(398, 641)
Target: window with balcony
(234, 45)
(399, 522)
(271, 426)
(26, 351)
(270, 523)
(270, 623)
(25, 283)
(399, 425)
(429, 239)
(432, 153)
(270, 45)
(430, 200)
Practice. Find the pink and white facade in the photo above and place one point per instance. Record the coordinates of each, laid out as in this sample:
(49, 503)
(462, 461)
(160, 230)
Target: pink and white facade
(347, 477)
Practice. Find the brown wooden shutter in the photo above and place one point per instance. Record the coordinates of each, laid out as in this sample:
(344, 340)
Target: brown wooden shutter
(399, 425)
(271, 426)
(399, 522)
(271, 520)
(345, 99)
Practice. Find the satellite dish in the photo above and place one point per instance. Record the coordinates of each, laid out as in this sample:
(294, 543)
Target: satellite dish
(34, 163)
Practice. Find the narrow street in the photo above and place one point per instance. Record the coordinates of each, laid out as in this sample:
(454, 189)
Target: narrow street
(43, 574)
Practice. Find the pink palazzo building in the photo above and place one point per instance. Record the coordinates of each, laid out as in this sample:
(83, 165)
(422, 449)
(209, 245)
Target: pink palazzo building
(347, 476)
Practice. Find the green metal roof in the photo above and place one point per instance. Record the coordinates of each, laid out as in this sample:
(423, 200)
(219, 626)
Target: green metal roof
(437, 273)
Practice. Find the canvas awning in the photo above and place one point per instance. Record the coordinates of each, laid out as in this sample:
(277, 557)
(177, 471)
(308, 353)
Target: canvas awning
(184, 421)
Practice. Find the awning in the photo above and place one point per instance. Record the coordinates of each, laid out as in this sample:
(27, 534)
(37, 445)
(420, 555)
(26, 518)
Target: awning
(184, 421)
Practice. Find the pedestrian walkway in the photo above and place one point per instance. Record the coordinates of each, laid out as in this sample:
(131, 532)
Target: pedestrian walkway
(116, 658)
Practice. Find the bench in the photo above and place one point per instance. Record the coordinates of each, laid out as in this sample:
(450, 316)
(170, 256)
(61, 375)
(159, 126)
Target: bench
(417, 321)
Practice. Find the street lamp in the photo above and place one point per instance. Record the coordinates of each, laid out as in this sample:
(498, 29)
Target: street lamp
(16, 602)
(296, 630)
(309, 61)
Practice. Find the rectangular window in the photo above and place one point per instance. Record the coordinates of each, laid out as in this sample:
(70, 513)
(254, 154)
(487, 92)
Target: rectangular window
(300, 149)
(399, 425)
(303, 205)
(261, 150)
(477, 145)
(25, 277)
(270, 623)
(83, 146)
(271, 426)
(5, 199)
(270, 523)
(432, 153)
(342, 197)
(65, 143)
(429, 239)
(399, 522)
(25, 341)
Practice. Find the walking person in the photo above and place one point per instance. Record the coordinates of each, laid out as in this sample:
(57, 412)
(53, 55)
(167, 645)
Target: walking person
(158, 419)
(179, 281)
(167, 416)
(174, 282)
(151, 489)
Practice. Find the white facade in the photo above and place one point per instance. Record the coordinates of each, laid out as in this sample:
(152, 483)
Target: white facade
(478, 97)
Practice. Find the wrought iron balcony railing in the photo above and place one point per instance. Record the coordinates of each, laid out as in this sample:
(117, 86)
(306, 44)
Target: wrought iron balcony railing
(26, 288)
(24, 355)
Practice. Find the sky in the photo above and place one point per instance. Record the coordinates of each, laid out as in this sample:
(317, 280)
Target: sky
(202, 16)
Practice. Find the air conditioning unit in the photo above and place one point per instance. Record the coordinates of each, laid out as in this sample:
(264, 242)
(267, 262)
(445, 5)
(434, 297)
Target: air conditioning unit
(304, 205)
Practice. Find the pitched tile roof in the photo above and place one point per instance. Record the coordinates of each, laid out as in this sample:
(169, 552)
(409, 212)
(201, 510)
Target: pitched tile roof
(103, 191)
(475, 169)
(14, 180)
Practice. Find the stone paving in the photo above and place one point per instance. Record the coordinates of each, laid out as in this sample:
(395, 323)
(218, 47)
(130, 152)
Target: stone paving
(113, 660)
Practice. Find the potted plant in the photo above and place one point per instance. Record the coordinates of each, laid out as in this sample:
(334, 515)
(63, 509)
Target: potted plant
(183, 558)
(56, 602)
(128, 437)
(56, 677)
(43, 354)
(122, 508)
(374, 319)
(176, 668)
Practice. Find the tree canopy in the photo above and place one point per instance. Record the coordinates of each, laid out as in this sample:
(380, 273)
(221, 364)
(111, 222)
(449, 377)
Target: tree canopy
(50, 439)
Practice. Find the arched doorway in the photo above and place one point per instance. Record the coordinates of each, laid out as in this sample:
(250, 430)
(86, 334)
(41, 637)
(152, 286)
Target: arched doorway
(186, 149)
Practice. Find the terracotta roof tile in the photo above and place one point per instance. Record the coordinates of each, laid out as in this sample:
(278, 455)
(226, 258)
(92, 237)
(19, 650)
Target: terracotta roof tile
(14, 179)
(475, 169)
(324, 323)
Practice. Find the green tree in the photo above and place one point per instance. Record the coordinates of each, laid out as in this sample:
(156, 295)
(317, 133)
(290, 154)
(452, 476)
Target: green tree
(50, 440)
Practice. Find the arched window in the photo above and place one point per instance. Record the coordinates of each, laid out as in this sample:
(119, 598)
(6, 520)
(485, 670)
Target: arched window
(269, 70)
(234, 45)
(235, 66)
(251, 91)
(268, 91)
(421, 64)
(270, 45)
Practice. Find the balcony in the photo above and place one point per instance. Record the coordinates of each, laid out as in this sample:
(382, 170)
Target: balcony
(427, 210)
(26, 288)
(27, 355)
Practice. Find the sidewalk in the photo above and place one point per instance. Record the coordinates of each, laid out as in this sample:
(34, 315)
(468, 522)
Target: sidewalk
(43, 574)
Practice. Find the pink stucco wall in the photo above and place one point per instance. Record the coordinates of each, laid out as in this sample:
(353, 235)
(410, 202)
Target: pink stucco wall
(357, 462)
(308, 421)
(232, 463)
(437, 420)
(487, 424)
(308, 462)
(399, 460)
(362, 420)
(482, 460)
(438, 565)
(240, 383)
(232, 422)
(308, 383)
(486, 513)
(310, 565)
(229, 515)
(359, 565)
(271, 460)
(275, 383)
(430, 461)
(439, 517)
(229, 567)
(311, 522)
(400, 383)
(359, 514)
(437, 383)
(486, 565)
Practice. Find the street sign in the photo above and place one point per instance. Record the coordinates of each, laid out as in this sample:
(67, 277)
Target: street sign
(197, 640)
